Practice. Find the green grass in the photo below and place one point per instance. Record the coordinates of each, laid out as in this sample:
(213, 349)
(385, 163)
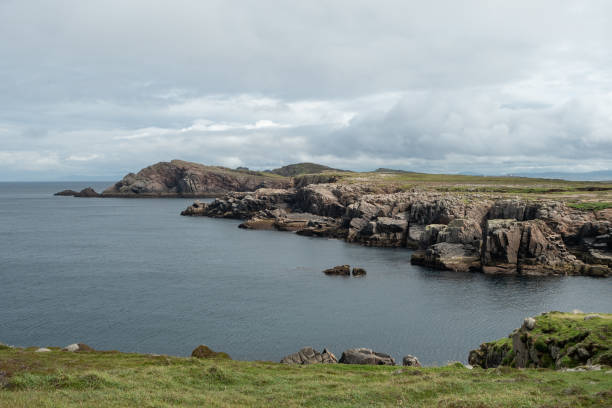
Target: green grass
(111, 379)
(591, 206)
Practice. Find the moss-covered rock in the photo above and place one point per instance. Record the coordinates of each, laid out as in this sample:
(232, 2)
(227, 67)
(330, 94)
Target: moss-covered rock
(557, 340)
(203, 351)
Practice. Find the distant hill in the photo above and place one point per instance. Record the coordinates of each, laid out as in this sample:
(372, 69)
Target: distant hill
(293, 170)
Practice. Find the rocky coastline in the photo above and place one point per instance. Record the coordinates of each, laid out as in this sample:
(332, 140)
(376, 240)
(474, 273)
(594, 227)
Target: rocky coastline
(450, 231)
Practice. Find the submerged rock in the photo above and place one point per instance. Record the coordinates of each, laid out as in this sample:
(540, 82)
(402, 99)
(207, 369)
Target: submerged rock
(365, 356)
(341, 270)
(308, 355)
(359, 272)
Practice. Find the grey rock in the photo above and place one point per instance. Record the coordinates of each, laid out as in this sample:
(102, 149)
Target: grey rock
(411, 361)
(365, 356)
(308, 355)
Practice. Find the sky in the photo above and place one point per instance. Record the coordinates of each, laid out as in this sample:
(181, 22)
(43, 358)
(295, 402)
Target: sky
(95, 89)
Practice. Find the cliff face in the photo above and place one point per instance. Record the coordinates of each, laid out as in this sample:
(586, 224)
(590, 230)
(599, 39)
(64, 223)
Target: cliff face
(475, 232)
(185, 179)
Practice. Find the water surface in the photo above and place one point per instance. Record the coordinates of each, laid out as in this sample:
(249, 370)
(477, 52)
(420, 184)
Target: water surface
(133, 275)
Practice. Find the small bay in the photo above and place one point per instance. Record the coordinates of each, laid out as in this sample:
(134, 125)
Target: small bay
(133, 275)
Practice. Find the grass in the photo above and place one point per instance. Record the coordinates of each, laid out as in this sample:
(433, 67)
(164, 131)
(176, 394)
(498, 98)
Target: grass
(591, 206)
(111, 379)
(564, 333)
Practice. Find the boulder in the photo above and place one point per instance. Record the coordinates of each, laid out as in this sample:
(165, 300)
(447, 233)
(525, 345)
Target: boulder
(341, 270)
(77, 347)
(529, 323)
(203, 351)
(359, 272)
(43, 350)
(411, 361)
(365, 356)
(308, 355)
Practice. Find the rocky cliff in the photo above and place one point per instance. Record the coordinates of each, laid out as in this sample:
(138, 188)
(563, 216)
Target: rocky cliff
(551, 340)
(185, 179)
(460, 232)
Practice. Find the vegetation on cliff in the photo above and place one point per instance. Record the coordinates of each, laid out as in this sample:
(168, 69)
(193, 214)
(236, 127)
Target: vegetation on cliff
(551, 340)
(112, 379)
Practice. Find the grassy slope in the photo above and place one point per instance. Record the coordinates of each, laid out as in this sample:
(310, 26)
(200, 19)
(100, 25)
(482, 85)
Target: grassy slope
(571, 191)
(297, 169)
(110, 379)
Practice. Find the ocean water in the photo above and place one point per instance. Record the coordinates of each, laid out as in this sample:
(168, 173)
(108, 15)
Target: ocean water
(133, 275)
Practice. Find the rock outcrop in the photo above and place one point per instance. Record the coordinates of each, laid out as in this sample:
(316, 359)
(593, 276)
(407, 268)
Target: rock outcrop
(86, 192)
(551, 340)
(365, 356)
(308, 355)
(472, 232)
(185, 179)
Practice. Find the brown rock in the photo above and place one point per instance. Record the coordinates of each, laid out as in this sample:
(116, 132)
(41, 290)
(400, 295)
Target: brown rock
(341, 270)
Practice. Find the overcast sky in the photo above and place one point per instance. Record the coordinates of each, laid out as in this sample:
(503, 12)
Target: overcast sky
(94, 89)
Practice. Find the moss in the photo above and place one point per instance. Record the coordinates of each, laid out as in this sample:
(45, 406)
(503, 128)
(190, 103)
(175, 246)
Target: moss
(540, 345)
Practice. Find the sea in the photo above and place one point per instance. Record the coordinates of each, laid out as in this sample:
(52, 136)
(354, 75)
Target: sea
(135, 276)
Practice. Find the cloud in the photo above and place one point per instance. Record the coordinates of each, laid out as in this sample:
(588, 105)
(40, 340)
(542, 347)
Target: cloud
(99, 88)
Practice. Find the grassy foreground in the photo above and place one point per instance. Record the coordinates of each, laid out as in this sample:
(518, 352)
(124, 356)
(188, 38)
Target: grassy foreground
(112, 379)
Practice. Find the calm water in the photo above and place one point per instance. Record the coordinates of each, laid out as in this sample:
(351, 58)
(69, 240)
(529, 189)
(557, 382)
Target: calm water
(133, 275)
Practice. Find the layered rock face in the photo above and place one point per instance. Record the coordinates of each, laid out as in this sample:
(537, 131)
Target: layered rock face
(185, 179)
(470, 232)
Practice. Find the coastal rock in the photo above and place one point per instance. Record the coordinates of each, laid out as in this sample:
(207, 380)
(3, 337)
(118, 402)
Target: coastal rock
(203, 351)
(540, 237)
(43, 350)
(359, 272)
(411, 361)
(340, 270)
(67, 193)
(365, 356)
(185, 179)
(86, 192)
(447, 256)
(308, 355)
(553, 340)
(77, 347)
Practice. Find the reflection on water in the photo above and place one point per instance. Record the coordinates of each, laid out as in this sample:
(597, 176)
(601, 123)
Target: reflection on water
(135, 276)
